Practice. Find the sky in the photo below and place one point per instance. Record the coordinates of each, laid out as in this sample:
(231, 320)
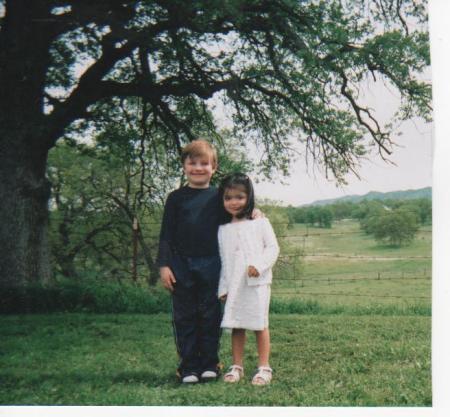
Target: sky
(411, 166)
(412, 170)
(412, 157)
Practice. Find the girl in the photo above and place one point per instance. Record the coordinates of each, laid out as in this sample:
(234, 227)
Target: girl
(248, 250)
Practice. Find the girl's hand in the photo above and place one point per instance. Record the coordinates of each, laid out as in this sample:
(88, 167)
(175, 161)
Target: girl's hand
(223, 297)
(253, 272)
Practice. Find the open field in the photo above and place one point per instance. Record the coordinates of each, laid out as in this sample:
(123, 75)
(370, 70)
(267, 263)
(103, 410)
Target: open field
(342, 265)
(363, 338)
(318, 360)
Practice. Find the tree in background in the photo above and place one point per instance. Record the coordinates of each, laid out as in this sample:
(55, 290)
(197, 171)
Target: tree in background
(319, 216)
(107, 202)
(290, 263)
(422, 207)
(396, 227)
(325, 217)
(368, 213)
(343, 210)
(286, 70)
(295, 215)
(311, 215)
(99, 211)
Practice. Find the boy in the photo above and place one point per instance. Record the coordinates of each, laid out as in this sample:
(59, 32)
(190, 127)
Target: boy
(190, 264)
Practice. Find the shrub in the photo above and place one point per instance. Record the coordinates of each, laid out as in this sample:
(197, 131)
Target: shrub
(84, 295)
(396, 227)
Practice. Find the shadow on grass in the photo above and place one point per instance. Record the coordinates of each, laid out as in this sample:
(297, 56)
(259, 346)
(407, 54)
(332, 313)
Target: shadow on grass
(150, 379)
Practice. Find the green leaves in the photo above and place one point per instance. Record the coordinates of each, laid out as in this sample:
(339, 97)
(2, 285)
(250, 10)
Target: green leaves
(141, 76)
(291, 72)
(396, 227)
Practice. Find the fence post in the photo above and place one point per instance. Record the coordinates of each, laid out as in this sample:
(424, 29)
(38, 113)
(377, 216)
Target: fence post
(135, 247)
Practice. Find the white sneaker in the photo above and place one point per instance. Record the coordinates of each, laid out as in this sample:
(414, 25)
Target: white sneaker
(190, 379)
(209, 375)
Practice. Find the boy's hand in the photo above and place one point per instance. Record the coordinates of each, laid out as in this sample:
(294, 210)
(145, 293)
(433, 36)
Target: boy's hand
(257, 214)
(223, 297)
(167, 278)
(253, 272)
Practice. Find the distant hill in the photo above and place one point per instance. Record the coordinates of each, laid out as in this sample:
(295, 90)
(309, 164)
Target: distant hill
(375, 195)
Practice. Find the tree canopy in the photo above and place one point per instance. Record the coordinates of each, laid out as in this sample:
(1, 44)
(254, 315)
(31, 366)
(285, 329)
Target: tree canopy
(286, 68)
(288, 71)
(396, 228)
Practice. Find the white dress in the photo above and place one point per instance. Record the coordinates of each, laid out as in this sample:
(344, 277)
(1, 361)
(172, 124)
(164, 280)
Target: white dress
(244, 243)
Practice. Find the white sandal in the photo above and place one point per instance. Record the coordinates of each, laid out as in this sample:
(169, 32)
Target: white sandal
(234, 374)
(263, 376)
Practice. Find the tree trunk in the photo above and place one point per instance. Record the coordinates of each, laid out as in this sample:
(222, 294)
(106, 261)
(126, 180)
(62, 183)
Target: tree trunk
(67, 266)
(65, 253)
(24, 196)
(24, 142)
(151, 264)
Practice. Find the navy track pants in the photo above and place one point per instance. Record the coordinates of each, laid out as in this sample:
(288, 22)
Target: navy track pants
(196, 313)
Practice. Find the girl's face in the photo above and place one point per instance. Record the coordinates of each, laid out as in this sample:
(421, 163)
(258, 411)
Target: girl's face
(235, 200)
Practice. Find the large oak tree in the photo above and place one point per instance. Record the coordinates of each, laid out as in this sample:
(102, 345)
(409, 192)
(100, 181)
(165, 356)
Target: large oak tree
(287, 70)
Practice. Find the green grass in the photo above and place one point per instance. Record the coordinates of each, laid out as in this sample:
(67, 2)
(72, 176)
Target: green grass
(340, 335)
(344, 266)
(346, 237)
(318, 360)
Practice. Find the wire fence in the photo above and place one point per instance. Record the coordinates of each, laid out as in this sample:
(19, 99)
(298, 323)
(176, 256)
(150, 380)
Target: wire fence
(294, 274)
(340, 294)
(355, 282)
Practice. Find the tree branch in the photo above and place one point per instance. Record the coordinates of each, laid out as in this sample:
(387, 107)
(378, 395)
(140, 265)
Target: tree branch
(378, 136)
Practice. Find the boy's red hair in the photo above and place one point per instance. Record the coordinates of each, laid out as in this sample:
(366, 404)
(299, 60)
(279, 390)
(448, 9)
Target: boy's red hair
(200, 148)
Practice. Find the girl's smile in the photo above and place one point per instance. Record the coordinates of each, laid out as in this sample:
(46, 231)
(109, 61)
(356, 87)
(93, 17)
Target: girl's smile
(234, 201)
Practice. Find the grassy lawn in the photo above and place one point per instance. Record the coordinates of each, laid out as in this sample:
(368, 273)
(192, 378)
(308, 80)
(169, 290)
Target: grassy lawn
(343, 266)
(364, 338)
(318, 360)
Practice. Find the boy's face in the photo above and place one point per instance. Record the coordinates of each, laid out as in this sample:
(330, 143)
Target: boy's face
(199, 171)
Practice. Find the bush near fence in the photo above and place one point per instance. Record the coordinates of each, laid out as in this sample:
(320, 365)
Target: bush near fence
(105, 298)
(297, 287)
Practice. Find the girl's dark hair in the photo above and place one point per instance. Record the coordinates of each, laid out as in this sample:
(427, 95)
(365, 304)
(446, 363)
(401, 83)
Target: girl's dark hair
(234, 181)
